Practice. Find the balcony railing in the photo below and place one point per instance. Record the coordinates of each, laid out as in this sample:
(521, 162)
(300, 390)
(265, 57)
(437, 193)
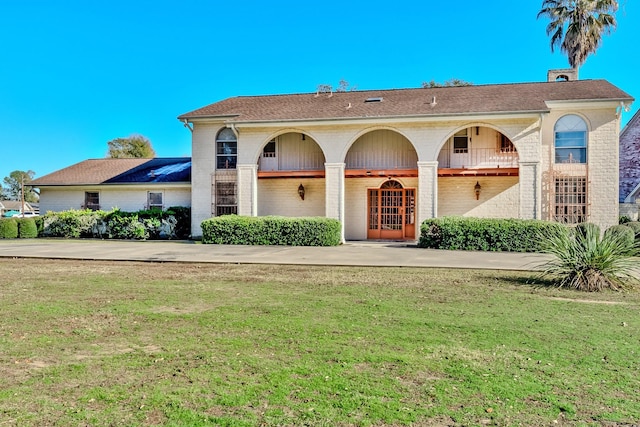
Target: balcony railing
(479, 158)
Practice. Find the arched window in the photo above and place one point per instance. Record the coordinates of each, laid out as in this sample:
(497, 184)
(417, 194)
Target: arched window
(226, 149)
(570, 133)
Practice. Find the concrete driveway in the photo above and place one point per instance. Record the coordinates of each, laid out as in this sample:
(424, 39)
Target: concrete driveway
(365, 253)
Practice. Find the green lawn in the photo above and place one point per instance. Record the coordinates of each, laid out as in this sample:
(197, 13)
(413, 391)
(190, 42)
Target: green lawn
(143, 344)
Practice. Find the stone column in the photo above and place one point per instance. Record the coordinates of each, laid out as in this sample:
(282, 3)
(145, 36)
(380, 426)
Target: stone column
(247, 189)
(530, 190)
(427, 192)
(334, 193)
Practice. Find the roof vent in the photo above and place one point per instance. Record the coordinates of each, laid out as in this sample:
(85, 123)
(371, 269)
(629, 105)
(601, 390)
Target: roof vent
(376, 99)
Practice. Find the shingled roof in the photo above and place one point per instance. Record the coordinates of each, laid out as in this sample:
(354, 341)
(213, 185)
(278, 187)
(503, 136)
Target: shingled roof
(120, 171)
(457, 100)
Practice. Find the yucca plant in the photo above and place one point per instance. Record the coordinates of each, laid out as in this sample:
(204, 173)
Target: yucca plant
(586, 261)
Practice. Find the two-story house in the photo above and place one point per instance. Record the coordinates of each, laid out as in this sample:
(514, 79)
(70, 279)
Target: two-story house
(381, 161)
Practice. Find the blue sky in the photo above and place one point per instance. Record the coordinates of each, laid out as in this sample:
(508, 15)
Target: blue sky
(75, 74)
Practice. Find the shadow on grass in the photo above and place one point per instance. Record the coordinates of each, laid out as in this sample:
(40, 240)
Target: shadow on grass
(533, 280)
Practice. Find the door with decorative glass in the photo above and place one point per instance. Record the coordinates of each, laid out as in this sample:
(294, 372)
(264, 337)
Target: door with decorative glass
(391, 212)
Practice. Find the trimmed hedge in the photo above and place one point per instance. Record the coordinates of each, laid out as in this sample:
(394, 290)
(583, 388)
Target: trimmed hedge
(484, 234)
(271, 230)
(8, 228)
(27, 228)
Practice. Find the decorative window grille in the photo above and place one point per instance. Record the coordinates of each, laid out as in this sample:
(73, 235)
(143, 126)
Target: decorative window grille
(224, 193)
(570, 199)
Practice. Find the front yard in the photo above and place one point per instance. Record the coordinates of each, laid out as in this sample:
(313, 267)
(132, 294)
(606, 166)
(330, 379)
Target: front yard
(142, 344)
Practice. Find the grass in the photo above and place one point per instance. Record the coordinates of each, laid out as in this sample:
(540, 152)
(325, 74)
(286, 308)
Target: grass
(150, 344)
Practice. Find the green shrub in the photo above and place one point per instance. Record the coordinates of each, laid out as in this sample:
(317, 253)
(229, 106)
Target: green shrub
(585, 261)
(125, 225)
(271, 230)
(39, 220)
(627, 232)
(27, 228)
(145, 224)
(182, 221)
(483, 234)
(8, 228)
(635, 226)
(74, 224)
(624, 219)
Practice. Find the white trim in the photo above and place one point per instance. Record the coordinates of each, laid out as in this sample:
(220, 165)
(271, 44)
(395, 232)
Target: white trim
(635, 193)
(499, 115)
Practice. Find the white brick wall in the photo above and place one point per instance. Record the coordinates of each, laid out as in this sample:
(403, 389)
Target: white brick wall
(127, 199)
(335, 196)
(499, 196)
(203, 156)
(280, 197)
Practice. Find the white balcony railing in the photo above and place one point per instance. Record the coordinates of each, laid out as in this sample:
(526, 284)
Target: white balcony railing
(479, 158)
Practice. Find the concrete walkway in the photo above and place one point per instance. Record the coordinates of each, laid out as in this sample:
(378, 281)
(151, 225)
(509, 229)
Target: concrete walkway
(365, 253)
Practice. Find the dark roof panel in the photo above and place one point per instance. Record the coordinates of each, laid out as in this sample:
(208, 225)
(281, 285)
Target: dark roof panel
(120, 171)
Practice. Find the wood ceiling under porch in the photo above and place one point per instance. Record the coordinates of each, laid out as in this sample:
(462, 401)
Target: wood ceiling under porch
(390, 173)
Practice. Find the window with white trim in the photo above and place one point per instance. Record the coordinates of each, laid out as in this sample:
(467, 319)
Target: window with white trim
(154, 200)
(92, 200)
(226, 149)
(570, 138)
(269, 150)
(461, 142)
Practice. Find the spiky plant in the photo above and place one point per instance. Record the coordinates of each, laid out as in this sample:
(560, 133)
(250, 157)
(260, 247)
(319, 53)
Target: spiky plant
(586, 261)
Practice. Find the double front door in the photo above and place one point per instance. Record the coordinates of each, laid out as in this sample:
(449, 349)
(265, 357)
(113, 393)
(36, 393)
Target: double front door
(391, 212)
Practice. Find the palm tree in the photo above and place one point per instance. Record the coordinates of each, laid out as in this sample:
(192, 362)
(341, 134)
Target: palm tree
(577, 26)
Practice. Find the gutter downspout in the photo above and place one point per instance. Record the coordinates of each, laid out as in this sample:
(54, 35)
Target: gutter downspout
(186, 124)
(232, 126)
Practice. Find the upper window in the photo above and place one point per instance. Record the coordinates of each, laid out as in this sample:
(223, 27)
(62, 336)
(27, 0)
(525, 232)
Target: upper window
(571, 140)
(226, 149)
(269, 150)
(461, 142)
(506, 146)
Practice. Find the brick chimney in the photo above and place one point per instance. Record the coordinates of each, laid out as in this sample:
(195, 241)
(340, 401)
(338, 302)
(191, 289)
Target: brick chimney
(565, 75)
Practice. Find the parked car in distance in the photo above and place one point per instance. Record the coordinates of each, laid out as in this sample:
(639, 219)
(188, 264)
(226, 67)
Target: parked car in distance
(9, 214)
(25, 215)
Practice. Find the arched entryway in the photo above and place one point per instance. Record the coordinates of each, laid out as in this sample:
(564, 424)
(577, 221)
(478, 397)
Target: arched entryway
(391, 212)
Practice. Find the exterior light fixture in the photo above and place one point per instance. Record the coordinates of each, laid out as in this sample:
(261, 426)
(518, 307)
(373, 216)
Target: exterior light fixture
(477, 189)
(301, 191)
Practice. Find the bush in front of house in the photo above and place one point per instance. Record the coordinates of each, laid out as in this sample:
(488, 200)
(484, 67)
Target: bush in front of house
(586, 261)
(117, 224)
(627, 232)
(635, 226)
(483, 234)
(27, 228)
(8, 228)
(74, 224)
(271, 230)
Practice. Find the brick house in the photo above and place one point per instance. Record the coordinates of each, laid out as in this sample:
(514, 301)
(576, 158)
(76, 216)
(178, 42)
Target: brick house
(382, 161)
(127, 184)
(630, 168)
